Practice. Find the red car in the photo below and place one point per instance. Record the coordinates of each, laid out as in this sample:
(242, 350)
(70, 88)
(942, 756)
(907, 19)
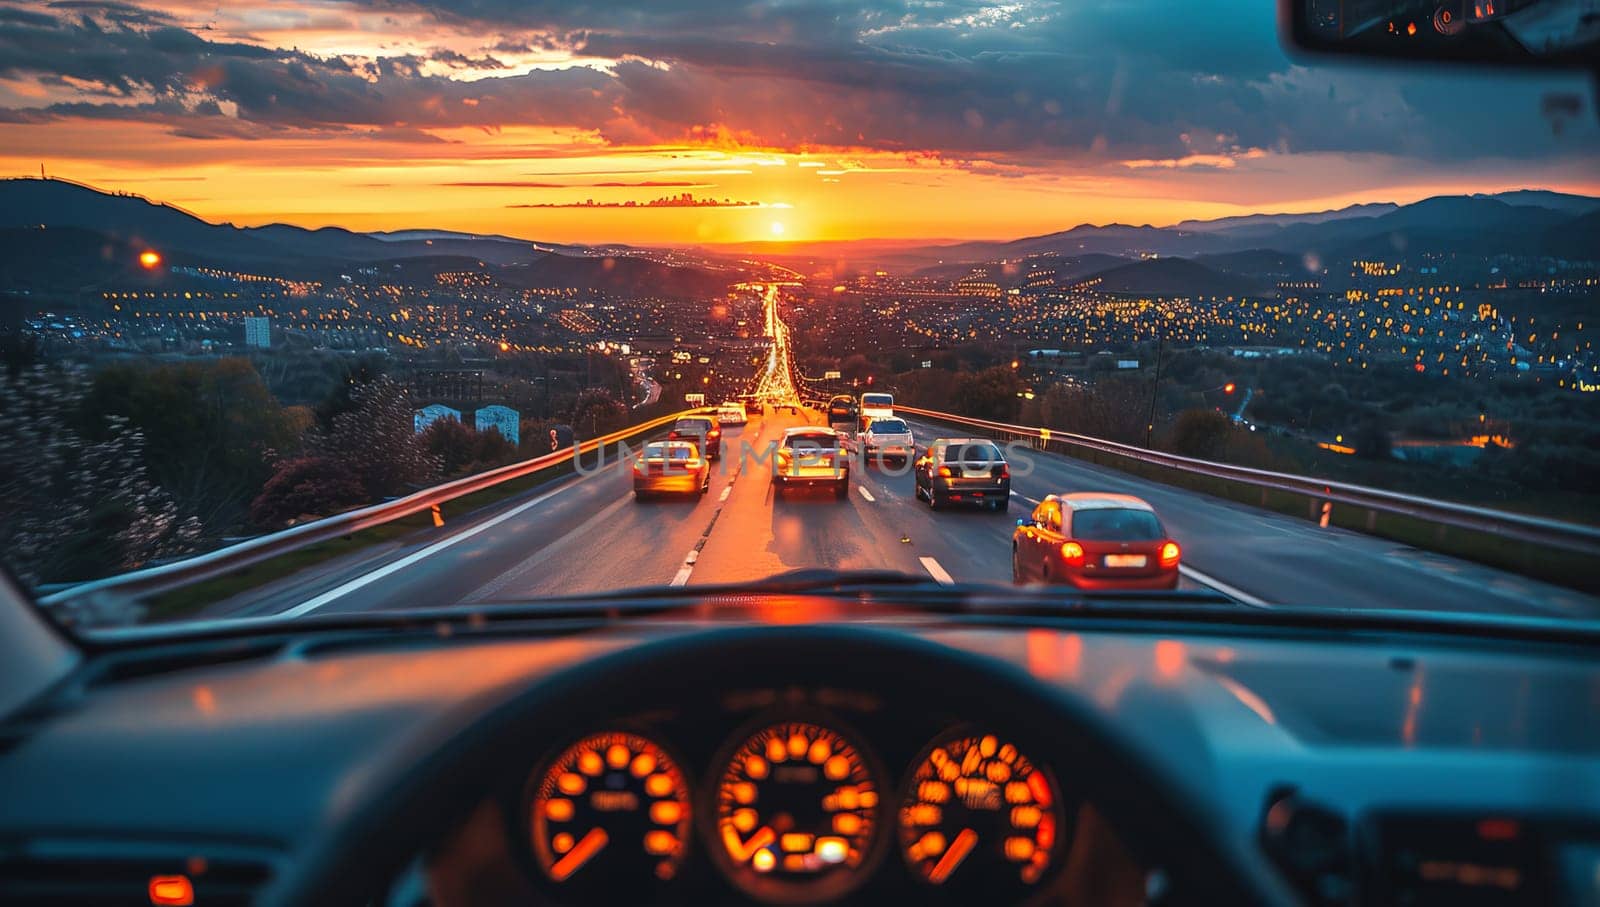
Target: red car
(1094, 541)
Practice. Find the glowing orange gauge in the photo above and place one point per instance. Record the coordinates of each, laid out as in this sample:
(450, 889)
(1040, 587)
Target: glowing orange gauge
(796, 813)
(612, 810)
(977, 813)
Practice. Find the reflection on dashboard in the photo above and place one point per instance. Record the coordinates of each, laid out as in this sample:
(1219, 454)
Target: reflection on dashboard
(610, 814)
(796, 813)
(979, 816)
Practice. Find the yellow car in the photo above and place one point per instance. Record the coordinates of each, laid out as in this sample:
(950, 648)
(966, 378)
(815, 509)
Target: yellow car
(670, 467)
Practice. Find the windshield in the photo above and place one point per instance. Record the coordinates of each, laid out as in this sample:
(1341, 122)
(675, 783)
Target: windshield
(376, 305)
(972, 452)
(1114, 524)
(811, 440)
(668, 452)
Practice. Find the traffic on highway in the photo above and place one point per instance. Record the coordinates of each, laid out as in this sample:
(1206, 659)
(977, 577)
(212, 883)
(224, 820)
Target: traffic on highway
(789, 453)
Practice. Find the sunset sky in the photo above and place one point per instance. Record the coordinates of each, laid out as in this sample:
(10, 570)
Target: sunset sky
(841, 119)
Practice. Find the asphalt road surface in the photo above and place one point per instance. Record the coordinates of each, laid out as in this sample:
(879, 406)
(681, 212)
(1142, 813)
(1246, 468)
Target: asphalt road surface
(588, 534)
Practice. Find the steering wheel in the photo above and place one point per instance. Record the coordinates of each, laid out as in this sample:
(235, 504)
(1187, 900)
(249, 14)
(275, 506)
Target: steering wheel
(393, 817)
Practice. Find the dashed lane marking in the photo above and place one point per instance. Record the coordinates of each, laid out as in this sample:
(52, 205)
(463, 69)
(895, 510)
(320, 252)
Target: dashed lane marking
(865, 493)
(936, 571)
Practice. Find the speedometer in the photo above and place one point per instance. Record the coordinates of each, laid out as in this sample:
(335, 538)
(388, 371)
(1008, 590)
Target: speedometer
(610, 816)
(796, 813)
(978, 816)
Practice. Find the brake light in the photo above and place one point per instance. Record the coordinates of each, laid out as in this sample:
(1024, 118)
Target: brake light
(944, 471)
(714, 433)
(1005, 471)
(640, 466)
(692, 464)
(1169, 554)
(1072, 553)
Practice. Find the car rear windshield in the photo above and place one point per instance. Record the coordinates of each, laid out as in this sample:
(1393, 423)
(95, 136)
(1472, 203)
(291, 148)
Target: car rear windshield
(877, 400)
(692, 425)
(889, 427)
(668, 452)
(812, 441)
(1116, 524)
(976, 452)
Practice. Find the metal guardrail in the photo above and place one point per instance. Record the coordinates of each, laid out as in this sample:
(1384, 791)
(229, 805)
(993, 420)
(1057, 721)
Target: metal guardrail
(1572, 537)
(154, 580)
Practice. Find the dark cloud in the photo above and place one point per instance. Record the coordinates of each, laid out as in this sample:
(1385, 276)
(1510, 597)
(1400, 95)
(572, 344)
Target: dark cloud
(1025, 85)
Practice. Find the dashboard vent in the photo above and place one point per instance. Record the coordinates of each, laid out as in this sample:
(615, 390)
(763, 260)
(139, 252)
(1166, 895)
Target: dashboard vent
(104, 875)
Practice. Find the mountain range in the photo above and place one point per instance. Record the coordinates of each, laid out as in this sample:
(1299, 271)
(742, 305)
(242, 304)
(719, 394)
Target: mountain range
(1231, 255)
(100, 221)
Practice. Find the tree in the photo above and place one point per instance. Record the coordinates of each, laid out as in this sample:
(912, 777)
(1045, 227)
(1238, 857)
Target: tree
(1201, 433)
(1371, 439)
(73, 507)
(377, 440)
(993, 393)
(462, 450)
(305, 486)
(211, 429)
(598, 412)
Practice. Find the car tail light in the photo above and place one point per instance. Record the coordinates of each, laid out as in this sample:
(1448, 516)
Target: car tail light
(692, 464)
(1072, 553)
(640, 466)
(714, 433)
(944, 471)
(1005, 471)
(1169, 554)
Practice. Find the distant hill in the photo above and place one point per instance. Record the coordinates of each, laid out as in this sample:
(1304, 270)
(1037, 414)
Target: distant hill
(130, 224)
(1260, 262)
(1173, 277)
(1014, 273)
(1256, 223)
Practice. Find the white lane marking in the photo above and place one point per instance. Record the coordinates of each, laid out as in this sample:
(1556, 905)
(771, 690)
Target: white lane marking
(1232, 592)
(726, 490)
(692, 556)
(682, 576)
(306, 607)
(936, 571)
(865, 493)
(1033, 501)
(496, 585)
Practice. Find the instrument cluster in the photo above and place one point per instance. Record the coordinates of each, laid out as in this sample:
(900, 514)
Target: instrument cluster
(792, 804)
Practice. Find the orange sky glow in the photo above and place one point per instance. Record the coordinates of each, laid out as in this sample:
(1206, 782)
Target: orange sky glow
(631, 116)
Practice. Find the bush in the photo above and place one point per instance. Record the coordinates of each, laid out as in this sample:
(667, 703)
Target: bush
(1201, 433)
(305, 486)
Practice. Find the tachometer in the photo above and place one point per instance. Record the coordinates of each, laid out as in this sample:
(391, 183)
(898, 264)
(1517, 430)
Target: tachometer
(979, 816)
(796, 814)
(611, 814)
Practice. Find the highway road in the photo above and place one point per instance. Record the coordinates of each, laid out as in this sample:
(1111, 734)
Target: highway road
(588, 534)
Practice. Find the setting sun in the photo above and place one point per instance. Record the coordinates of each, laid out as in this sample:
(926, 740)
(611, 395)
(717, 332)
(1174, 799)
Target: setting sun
(777, 228)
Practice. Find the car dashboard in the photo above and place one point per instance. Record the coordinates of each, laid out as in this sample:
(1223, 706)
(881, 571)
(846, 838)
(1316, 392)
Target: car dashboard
(787, 751)
(786, 795)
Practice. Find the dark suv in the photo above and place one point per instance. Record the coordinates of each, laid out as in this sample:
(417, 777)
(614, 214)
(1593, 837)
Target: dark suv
(705, 431)
(965, 471)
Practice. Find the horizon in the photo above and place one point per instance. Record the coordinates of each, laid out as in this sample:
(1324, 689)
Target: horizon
(683, 123)
(776, 245)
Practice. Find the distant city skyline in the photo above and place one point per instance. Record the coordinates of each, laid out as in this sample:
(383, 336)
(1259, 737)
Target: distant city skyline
(883, 120)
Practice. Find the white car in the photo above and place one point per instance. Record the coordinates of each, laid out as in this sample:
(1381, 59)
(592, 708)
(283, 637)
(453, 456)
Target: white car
(731, 414)
(887, 439)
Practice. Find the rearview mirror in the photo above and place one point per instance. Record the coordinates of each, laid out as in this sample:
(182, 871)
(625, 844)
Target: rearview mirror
(1545, 33)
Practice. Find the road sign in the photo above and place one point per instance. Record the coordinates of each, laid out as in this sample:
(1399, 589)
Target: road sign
(695, 399)
(831, 376)
(927, 363)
